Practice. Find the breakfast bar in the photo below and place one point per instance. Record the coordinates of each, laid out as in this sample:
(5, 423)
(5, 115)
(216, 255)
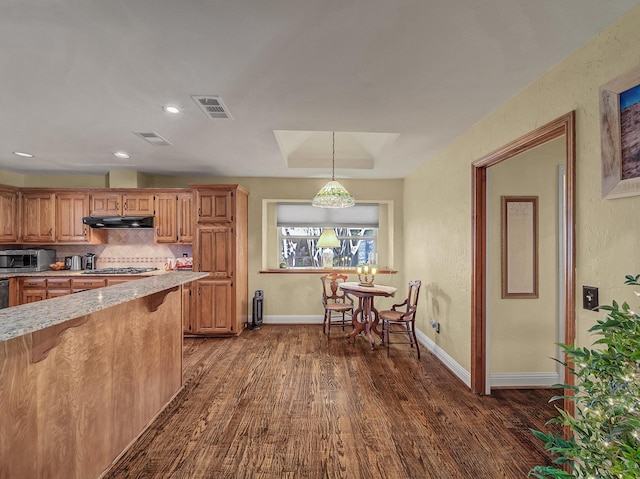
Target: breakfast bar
(82, 375)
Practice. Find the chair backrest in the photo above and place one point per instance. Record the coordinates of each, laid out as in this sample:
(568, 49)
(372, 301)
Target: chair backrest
(412, 297)
(330, 290)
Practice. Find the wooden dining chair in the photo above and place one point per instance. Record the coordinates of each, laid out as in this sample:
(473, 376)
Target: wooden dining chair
(403, 315)
(335, 301)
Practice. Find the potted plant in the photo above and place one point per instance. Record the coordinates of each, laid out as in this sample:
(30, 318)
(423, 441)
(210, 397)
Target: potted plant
(603, 439)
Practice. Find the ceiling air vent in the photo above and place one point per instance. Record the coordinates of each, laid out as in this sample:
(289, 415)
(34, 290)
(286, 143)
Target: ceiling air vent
(152, 137)
(212, 106)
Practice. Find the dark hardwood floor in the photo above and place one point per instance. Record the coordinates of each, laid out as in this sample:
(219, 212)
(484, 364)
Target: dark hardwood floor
(286, 402)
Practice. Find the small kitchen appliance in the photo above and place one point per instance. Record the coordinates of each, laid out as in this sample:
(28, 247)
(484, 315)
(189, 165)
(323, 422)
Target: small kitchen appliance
(90, 261)
(73, 263)
(26, 260)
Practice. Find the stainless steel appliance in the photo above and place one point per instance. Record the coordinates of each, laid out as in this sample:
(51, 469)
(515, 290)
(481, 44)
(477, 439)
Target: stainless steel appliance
(4, 293)
(26, 260)
(73, 263)
(89, 261)
(120, 271)
(118, 222)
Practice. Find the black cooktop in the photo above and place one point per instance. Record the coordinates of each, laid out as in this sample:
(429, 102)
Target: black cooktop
(119, 270)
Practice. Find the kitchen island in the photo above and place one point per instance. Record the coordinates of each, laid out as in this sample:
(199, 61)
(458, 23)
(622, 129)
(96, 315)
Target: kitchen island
(81, 376)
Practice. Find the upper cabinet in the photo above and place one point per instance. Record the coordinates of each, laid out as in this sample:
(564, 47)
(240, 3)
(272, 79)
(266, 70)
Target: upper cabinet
(174, 217)
(121, 204)
(71, 207)
(38, 217)
(214, 205)
(9, 227)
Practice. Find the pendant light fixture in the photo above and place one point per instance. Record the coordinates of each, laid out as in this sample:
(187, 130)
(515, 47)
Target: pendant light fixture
(333, 194)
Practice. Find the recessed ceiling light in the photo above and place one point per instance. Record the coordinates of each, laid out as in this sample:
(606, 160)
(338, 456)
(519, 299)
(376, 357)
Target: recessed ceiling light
(20, 153)
(171, 109)
(122, 154)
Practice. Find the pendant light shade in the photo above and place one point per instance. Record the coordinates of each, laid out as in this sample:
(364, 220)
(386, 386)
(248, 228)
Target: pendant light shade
(333, 194)
(328, 239)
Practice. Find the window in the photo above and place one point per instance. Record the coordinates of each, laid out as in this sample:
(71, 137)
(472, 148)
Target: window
(298, 246)
(300, 225)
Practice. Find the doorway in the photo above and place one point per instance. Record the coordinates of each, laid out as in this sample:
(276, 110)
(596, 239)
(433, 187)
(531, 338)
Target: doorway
(561, 127)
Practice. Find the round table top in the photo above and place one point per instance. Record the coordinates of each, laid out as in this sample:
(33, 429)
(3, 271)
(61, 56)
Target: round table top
(375, 290)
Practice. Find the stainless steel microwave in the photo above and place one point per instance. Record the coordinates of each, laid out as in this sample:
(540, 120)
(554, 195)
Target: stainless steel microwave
(26, 260)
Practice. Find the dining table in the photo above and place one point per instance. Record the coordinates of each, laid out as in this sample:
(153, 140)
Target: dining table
(366, 310)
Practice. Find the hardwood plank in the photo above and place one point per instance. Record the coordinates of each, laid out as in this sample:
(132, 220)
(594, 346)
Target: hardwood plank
(285, 401)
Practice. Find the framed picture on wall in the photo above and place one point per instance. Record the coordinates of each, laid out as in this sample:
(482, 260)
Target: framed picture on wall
(519, 215)
(620, 135)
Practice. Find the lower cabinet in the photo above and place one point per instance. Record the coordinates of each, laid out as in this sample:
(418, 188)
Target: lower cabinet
(214, 311)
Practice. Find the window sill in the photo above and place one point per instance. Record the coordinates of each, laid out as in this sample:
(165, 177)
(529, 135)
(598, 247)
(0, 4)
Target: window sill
(321, 271)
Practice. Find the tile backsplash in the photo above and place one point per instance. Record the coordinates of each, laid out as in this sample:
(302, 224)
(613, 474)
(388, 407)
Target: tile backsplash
(127, 247)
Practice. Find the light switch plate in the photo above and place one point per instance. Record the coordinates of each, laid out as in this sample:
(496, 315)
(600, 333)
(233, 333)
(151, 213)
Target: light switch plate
(590, 298)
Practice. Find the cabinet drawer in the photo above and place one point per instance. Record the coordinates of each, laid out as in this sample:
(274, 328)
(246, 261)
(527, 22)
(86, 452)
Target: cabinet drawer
(82, 284)
(34, 282)
(58, 283)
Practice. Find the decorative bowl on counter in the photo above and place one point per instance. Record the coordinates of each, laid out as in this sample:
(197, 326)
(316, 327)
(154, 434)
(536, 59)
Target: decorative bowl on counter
(57, 266)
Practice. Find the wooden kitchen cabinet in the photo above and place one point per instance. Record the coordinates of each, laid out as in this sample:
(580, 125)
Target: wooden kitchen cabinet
(186, 308)
(220, 301)
(32, 290)
(215, 205)
(71, 207)
(174, 218)
(214, 307)
(9, 218)
(214, 250)
(38, 217)
(186, 218)
(121, 204)
(166, 218)
(58, 287)
(83, 284)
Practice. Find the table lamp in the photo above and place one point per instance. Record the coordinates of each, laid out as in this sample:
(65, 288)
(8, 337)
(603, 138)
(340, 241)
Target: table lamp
(328, 240)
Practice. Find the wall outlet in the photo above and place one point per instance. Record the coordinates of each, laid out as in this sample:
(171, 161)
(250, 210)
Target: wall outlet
(435, 325)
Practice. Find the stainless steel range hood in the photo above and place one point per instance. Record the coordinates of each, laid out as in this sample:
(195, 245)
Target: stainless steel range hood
(118, 222)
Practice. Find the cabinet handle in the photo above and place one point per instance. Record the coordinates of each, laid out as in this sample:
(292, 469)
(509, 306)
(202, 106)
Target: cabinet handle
(126, 205)
(85, 231)
(158, 231)
(117, 205)
(50, 231)
(199, 212)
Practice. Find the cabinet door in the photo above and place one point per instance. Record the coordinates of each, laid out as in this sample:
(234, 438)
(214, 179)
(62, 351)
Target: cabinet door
(32, 290)
(214, 312)
(58, 287)
(70, 209)
(38, 220)
(214, 205)
(106, 204)
(8, 223)
(137, 204)
(214, 247)
(186, 218)
(165, 221)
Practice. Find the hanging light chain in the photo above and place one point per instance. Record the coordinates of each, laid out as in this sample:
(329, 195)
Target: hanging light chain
(333, 156)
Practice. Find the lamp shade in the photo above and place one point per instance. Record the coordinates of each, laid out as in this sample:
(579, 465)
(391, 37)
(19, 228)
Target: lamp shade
(333, 195)
(328, 239)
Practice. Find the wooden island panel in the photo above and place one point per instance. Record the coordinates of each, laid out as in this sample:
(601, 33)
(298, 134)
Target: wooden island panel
(70, 411)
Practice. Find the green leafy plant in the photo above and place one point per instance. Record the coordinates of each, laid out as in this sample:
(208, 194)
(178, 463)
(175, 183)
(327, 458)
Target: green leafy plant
(603, 439)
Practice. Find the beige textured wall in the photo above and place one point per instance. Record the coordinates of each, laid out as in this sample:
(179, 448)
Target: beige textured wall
(523, 332)
(606, 230)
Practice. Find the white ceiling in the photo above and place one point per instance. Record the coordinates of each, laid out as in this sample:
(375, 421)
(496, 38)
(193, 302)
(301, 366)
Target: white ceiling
(79, 76)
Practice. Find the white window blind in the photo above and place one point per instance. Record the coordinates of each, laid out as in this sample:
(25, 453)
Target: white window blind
(303, 214)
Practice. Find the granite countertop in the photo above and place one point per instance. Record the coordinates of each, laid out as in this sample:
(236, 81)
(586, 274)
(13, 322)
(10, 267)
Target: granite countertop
(81, 273)
(27, 318)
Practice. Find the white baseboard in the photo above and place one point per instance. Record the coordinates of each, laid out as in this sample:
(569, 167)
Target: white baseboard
(522, 380)
(444, 358)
